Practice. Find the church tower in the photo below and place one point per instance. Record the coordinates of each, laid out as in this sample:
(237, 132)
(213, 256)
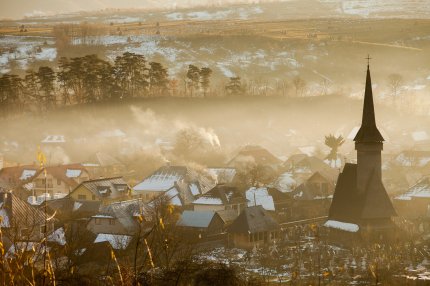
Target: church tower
(360, 202)
(368, 142)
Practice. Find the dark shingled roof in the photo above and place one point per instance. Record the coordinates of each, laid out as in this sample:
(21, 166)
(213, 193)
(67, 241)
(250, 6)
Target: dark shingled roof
(252, 220)
(368, 131)
(349, 205)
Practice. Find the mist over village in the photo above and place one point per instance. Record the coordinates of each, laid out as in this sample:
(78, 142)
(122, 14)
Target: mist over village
(215, 142)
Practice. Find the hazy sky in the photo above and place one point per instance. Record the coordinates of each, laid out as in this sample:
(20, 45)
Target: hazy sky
(21, 8)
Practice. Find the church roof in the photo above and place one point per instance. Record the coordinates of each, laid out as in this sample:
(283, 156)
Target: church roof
(368, 131)
(349, 205)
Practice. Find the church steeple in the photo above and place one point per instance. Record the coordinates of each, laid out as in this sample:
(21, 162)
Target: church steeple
(368, 131)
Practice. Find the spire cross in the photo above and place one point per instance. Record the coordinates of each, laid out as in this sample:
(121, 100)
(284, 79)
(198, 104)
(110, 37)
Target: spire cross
(368, 60)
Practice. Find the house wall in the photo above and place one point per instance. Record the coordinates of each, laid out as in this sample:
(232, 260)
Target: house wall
(148, 195)
(81, 191)
(209, 207)
(106, 225)
(52, 185)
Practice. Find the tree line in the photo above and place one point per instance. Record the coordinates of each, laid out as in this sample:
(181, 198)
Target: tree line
(90, 79)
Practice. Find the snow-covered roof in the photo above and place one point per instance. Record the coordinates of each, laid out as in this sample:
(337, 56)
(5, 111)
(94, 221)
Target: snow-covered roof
(173, 197)
(102, 216)
(420, 190)
(73, 173)
(260, 196)
(158, 182)
(58, 236)
(208, 201)
(54, 139)
(27, 174)
(194, 189)
(196, 218)
(222, 175)
(349, 227)
(117, 241)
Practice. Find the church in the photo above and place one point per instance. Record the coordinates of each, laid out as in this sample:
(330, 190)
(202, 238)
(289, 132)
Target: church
(361, 209)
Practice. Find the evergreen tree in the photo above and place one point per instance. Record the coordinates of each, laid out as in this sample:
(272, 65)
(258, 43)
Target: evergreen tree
(157, 78)
(205, 74)
(234, 86)
(193, 77)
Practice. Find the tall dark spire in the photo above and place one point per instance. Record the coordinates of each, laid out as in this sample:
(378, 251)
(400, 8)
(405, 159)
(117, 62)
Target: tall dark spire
(368, 131)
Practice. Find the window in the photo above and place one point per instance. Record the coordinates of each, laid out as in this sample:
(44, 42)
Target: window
(25, 232)
(82, 197)
(112, 221)
(98, 221)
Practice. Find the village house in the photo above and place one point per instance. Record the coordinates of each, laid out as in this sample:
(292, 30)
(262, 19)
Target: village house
(30, 183)
(117, 218)
(198, 224)
(256, 155)
(361, 210)
(105, 190)
(253, 227)
(305, 190)
(187, 181)
(21, 222)
(221, 197)
(104, 165)
(415, 203)
(260, 197)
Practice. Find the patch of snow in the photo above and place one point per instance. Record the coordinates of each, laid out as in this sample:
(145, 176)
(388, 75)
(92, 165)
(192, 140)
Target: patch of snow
(159, 182)
(208, 201)
(76, 206)
(353, 132)
(73, 173)
(4, 222)
(194, 189)
(102, 216)
(58, 236)
(47, 54)
(27, 174)
(260, 196)
(115, 240)
(350, 227)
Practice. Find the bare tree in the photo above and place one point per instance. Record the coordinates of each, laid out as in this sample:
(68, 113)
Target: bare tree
(395, 81)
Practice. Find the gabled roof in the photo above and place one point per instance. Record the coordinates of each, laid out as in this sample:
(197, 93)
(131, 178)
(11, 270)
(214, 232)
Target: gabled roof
(125, 212)
(252, 220)
(349, 205)
(261, 155)
(260, 197)
(112, 188)
(368, 131)
(18, 174)
(302, 164)
(198, 219)
(15, 211)
(102, 160)
(227, 216)
(419, 190)
(167, 177)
